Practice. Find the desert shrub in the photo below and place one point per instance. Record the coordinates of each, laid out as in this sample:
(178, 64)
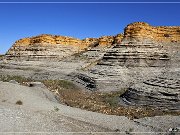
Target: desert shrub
(56, 108)
(19, 102)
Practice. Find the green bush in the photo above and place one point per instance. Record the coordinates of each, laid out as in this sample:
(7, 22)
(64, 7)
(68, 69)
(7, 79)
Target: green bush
(56, 108)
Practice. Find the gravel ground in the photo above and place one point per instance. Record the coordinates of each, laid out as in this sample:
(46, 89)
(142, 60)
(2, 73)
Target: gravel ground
(40, 113)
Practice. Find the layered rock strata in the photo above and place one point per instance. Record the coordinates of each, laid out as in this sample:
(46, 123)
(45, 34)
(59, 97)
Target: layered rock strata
(104, 43)
(134, 53)
(44, 47)
(55, 47)
(162, 91)
(143, 45)
(144, 52)
(83, 80)
(141, 30)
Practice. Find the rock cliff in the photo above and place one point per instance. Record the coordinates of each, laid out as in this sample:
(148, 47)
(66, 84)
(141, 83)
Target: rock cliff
(55, 47)
(44, 46)
(143, 45)
(140, 30)
(161, 91)
(146, 62)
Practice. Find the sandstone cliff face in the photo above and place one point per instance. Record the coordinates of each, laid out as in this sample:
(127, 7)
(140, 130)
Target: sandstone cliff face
(48, 39)
(140, 30)
(44, 47)
(106, 40)
(55, 47)
(110, 40)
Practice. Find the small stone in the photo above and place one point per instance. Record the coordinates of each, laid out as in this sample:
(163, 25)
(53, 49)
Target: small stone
(13, 81)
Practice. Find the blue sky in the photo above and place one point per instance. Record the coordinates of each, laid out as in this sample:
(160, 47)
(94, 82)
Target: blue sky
(78, 20)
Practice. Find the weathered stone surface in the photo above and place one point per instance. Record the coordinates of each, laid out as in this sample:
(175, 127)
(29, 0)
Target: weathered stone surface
(140, 30)
(44, 47)
(143, 45)
(106, 40)
(118, 38)
(161, 91)
(84, 80)
(90, 42)
(100, 46)
(54, 47)
(147, 63)
(134, 53)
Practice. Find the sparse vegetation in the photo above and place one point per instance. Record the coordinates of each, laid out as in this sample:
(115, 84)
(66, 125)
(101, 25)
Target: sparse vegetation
(19, 102)
(129, 131)
(56, 109)
(19, 79)
(107, 103)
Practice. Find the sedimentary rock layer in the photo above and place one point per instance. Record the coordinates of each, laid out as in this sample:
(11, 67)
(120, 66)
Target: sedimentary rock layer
(162, 91)
(134, 53)
(143, 45)
(43, 47)
(55, 47)
(140, 30)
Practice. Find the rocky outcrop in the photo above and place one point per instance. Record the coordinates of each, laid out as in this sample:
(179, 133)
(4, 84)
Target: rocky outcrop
(91, 42)
(134, 53)
(143, 62)
(162, 91)
(110, 40)
(141, 30)
(83, 80)
(143, 45)
(101, 45)
(118, 38)
(54, 47)
(106, 40)
(44, 47)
